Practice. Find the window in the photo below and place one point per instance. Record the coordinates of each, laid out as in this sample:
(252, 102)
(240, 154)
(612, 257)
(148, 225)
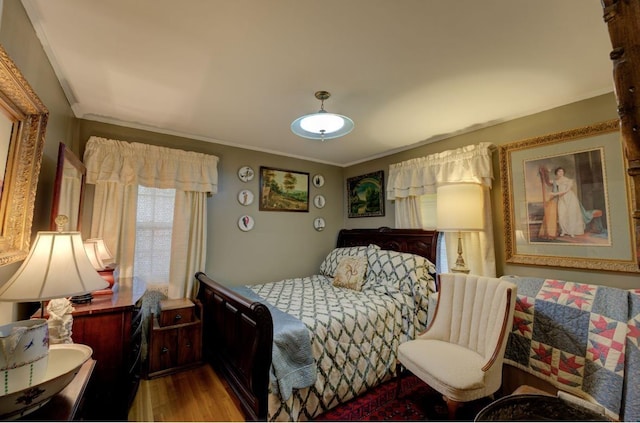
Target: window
(154, 225)
(428, 215)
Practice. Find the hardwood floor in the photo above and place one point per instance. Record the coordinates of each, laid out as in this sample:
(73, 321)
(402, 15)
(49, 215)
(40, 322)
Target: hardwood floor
(192, 395)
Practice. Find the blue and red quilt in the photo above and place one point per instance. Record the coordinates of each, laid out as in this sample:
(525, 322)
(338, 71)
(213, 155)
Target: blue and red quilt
(582, 338)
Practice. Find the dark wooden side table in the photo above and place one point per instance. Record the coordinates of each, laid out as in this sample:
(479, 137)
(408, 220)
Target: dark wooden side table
(68, 404)
(112, 326)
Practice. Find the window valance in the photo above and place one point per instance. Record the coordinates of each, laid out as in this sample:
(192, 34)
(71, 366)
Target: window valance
(152, 166)
(422, 175)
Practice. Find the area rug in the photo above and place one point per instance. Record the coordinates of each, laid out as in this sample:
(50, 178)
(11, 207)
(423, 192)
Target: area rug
(416, 401)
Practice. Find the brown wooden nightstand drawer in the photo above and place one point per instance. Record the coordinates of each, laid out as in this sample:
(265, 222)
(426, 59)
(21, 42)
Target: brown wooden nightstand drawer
(178, 346)
(174, 312)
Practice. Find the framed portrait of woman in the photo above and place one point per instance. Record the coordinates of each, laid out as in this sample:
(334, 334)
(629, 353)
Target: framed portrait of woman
(566, 200)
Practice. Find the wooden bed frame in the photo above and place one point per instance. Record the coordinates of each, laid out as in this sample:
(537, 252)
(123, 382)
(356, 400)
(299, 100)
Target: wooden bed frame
(238, 333)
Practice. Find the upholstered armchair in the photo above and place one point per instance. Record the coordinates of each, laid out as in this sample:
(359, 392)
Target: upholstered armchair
(460, 354)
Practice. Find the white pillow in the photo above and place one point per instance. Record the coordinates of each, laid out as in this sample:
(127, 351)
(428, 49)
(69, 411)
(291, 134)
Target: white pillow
(330, 263)
(404, 269)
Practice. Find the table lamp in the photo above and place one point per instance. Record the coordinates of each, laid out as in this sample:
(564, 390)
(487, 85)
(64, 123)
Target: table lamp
(102, 260)
(56, 266)
(459, 209)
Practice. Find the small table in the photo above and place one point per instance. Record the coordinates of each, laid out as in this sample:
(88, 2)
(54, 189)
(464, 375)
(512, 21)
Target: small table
(66, 405)
(535, 407)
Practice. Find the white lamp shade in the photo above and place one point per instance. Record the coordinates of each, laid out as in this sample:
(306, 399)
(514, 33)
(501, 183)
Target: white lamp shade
(91, 248)
(57, 266)
(102, 251)
(459, 207)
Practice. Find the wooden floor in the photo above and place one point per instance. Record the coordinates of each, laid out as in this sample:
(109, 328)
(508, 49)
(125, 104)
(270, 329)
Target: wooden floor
(194, 395)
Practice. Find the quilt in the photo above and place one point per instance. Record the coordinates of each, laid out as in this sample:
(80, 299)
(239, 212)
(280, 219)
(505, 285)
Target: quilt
(631, 395)
(292, 363)
(354, 339)
(579, 338)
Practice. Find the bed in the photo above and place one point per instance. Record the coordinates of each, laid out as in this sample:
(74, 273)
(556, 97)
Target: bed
(353, 335)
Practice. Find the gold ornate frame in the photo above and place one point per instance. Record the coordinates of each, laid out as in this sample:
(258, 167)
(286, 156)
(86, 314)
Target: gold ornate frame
(29, 116)
(618, 254)
(275, 196)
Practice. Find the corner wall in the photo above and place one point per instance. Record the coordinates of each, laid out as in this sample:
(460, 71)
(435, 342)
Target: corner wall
(282, 244)
(575, 115)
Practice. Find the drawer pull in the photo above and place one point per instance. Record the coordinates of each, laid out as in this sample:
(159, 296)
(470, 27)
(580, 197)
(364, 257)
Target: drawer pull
(164, 350)
(178, 317)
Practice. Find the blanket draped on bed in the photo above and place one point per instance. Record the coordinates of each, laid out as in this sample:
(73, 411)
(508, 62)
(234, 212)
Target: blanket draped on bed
(292, 363)
(581, 338)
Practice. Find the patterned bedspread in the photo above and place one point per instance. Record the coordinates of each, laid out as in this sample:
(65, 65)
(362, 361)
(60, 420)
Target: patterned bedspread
(581, 338)
(354, 337)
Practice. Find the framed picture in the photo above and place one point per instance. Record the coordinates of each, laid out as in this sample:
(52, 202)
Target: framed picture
(366, 195)
(23, 121)
(566, 200)
(283, 190)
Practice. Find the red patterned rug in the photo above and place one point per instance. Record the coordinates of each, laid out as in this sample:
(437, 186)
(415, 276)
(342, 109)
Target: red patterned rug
(416, 401)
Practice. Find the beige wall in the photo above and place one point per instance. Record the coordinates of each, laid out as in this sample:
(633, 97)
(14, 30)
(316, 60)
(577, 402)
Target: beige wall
(571, 116)
(282, 244)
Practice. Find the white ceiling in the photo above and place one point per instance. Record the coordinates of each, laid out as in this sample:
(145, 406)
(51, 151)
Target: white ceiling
(238, 72)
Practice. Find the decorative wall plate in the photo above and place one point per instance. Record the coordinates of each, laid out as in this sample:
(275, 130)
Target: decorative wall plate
(318, 180)
(319, 201)
(246, 173)
(319, 224)
(245, 197)
(245, 223)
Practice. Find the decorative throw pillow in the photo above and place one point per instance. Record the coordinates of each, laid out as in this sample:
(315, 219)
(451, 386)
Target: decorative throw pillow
(330, 263)
(350, 273)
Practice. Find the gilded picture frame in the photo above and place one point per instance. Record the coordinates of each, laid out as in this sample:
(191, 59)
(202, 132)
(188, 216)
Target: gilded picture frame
(283, 190)
(365, 195)
(22, 144)
(566, 200)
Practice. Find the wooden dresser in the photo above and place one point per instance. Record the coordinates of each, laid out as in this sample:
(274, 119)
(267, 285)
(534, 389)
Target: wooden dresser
(112, 326)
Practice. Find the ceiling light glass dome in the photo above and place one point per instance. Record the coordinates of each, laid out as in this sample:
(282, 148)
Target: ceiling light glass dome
(322, 125)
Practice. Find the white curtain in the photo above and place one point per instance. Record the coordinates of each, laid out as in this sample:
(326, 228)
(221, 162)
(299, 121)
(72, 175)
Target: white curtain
(114, 220)
(188, 242)
(118, 167)
(416, 177)
(408, 212)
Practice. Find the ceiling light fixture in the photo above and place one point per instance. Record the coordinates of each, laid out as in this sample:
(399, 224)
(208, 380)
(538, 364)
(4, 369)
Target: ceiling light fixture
(322, 125)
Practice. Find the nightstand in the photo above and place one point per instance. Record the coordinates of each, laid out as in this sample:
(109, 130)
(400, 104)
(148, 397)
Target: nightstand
(175, 337)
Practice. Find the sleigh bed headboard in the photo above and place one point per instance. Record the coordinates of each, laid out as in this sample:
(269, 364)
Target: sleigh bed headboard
(238, 333)
(415, 241)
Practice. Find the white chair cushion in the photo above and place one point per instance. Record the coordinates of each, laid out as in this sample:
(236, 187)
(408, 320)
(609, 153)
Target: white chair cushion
(442, 364)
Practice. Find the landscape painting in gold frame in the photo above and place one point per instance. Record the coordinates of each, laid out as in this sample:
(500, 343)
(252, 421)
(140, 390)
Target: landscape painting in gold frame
(283, 190)
(566, 200)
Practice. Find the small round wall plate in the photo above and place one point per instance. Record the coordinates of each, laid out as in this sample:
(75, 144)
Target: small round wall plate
(319, 201)
(318, 180)
(245, 197)
(318, 224)
(245, 223)
(246, 173)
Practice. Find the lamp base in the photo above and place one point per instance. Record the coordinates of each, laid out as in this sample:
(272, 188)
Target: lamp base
(107, 275)
(460, 266)
(82, 299)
